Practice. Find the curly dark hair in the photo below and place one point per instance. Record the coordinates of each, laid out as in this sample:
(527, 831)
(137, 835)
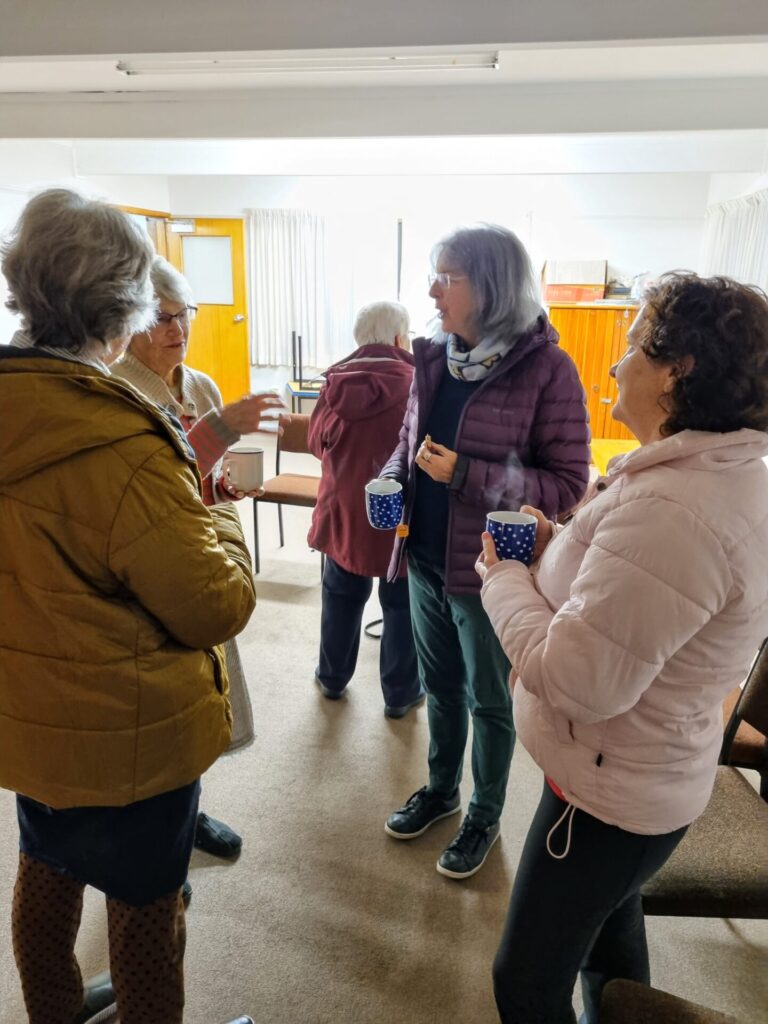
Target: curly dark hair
(723, 327)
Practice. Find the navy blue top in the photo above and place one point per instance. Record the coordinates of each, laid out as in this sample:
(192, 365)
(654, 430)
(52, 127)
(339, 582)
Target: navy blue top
(428, 533)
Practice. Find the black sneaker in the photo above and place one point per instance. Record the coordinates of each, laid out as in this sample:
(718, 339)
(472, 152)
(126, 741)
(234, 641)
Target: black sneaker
(216, 838)
(420, 811)
(466, 852)
(98, 1001)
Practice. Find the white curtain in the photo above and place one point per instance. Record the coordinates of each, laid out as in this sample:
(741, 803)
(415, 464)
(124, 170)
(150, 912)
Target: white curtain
(735, 239)
(311, 274)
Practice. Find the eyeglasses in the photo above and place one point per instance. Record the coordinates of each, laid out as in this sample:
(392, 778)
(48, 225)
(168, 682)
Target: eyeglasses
(183, 317)
(444, 281)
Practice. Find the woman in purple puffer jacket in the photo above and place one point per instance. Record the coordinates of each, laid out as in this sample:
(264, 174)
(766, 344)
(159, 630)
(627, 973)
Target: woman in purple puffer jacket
(495, 419)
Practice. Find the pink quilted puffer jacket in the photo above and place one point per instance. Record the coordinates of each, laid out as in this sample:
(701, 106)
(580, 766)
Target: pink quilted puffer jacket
(641, 616)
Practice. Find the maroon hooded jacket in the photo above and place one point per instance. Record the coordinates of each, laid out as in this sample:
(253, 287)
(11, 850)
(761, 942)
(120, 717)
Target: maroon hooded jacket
(353, 429)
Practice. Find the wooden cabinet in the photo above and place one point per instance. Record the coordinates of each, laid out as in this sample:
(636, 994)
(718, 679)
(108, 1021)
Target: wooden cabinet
(595, 337)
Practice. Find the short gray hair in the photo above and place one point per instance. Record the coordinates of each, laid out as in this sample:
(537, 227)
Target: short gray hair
(380, 323)
(78, 271)
(501, 275)
(169, 284)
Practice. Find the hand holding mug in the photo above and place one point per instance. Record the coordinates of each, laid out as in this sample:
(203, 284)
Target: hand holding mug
(545, 530)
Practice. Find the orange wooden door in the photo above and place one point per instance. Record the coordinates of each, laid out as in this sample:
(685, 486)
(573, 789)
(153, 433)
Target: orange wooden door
(595, 339)
(213, 259)
(587, 336)
(623, 319)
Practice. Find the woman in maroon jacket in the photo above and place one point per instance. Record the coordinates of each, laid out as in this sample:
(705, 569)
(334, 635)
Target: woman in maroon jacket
(496, 419)
(352, 430)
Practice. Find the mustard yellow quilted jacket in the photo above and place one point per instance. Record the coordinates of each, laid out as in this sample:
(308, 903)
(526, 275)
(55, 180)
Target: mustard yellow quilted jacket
(116, 585)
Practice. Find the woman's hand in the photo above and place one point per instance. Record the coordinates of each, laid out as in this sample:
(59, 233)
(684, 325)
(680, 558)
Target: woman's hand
(253, 412)
(487, 557)
(544, 530)
(437, 461)
(225, 486)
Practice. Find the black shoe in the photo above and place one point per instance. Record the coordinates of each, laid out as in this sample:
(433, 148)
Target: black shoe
(420, 811)
(98, 1001)
(186, 892)
(391, 711)
(466, 852)
(215, 837)
(327, 692)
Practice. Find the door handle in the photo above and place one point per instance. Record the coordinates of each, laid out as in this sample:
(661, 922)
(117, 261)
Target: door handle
(238, 319)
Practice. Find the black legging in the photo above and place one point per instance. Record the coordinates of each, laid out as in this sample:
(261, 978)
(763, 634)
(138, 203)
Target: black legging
(580, 913)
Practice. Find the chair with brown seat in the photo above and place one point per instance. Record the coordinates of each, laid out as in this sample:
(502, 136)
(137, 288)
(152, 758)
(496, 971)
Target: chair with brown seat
(287, 488)
(745, 714)
(627, 1002)
(720, 868)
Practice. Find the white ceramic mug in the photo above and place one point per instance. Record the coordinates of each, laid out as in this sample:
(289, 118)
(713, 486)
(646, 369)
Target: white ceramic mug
(243, 468)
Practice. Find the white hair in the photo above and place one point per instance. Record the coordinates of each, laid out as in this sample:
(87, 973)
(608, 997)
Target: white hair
(380, 323)
(169, 284)
(78, 271)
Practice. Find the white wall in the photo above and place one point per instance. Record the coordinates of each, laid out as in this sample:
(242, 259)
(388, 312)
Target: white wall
(637, 222)
(729, 186)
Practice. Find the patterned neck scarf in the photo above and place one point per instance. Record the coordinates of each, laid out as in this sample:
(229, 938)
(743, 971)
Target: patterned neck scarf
(473, 364)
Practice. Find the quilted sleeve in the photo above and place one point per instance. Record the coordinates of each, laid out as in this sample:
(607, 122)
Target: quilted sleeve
(186, 564)
(652, 577)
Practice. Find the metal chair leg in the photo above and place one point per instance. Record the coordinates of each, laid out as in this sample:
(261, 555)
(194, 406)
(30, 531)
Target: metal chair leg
(256, 546)
(280, 525)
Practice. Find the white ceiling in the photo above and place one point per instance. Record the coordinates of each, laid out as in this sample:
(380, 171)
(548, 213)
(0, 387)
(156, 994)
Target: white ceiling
(616, 62)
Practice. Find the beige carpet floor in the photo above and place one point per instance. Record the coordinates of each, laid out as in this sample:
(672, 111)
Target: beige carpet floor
(326, 920)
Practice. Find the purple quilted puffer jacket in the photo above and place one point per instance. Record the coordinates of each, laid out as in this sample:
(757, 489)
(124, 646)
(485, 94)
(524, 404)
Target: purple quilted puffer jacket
(524, 435)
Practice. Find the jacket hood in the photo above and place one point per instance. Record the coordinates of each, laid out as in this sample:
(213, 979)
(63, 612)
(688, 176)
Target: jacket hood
(368, 382)
(53, 409)
(694, 449)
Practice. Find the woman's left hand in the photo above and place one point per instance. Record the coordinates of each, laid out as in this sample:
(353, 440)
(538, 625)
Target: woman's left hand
(487, 557)
(437, 461)
(239, 494)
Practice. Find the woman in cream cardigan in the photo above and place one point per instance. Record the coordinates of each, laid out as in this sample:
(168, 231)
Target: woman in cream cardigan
(641, 615)
(154, 365)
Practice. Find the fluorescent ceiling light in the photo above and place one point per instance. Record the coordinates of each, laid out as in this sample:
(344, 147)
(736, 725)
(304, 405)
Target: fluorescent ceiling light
(488, 60)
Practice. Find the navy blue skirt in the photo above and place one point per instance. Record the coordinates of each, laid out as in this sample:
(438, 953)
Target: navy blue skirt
(136, 853)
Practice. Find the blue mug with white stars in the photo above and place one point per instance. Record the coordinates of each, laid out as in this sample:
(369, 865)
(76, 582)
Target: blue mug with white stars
(384, 503)
(514, 534)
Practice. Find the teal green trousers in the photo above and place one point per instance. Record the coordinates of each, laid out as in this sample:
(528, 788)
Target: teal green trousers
(465, 673)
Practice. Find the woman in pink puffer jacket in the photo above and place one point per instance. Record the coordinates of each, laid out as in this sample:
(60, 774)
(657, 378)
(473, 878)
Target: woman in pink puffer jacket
(641, 615)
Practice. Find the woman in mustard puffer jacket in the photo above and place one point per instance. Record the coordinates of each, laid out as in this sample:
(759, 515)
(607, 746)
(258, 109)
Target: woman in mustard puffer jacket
(117, 584)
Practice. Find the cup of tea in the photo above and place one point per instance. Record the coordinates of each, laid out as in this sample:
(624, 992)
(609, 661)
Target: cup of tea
(384, 503)
(243, 468)
(514, 534)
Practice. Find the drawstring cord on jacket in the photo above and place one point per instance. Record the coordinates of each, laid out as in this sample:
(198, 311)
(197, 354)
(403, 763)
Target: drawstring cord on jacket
(569, 812)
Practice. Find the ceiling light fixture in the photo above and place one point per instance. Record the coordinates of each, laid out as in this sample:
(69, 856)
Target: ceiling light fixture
(296, 65)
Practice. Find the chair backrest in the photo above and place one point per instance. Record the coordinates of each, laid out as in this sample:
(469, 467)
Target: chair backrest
(295, 430)
(752, 705)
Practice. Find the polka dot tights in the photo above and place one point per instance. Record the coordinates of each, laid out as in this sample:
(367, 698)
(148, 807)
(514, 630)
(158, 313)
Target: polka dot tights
(146, 950)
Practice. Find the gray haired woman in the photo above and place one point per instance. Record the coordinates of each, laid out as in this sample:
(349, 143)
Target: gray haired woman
(496, 419)
(154, 365)
(117, 584)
